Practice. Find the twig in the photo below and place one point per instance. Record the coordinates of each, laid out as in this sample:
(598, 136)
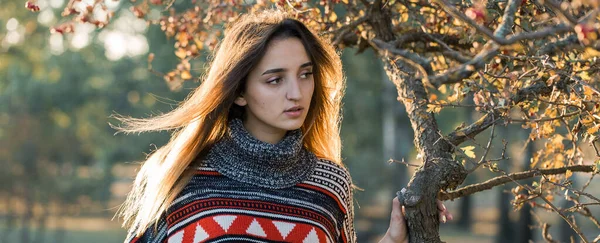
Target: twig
(418, 62)
(575, 191)
(348, 26)
(487, 147)
(545, 234)
(450, 52)
(468, 190)
(557, 9)
(402, 162)
(562, 215)
(545, 119)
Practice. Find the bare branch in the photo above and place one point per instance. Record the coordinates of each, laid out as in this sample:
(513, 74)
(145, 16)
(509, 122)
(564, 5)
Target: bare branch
(545, 234)
(402, 162)
(560, 12)
(547, 118)
(487, 149)
(449, 51)
(418, 62)
(562, 215)
(458, 137)
(345, 28)
(578, 192)
(468, 190)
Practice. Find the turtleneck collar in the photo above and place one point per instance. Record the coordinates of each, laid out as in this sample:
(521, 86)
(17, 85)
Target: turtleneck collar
(242, 157)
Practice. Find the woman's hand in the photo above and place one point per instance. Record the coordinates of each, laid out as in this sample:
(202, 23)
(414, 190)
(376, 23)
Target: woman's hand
(397, 232)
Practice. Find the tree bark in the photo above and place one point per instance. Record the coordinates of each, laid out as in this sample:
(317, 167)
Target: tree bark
(438, 172)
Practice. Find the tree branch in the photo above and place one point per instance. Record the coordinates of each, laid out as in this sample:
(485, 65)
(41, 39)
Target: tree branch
(468, 190)
(532, 91)
(414, 59)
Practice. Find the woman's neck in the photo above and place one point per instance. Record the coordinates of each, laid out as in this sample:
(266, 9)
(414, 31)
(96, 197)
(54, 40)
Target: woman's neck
(266, 134)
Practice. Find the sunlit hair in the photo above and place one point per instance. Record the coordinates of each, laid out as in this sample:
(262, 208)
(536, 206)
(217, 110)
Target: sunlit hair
(201, 119)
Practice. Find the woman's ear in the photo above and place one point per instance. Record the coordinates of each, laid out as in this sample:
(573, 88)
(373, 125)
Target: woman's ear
(240, 100)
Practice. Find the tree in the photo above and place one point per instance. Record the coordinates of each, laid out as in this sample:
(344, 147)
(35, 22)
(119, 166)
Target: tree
(525, 62)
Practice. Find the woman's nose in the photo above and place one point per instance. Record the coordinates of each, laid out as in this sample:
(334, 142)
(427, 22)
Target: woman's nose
(294, 91)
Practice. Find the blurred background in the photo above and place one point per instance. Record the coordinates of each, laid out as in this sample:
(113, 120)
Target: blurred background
(64, 171)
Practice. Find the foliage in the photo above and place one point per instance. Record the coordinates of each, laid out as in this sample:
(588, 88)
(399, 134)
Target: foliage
(527, 62)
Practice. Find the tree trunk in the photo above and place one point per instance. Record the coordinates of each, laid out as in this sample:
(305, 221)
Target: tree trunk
(525, 233)
(438, 171)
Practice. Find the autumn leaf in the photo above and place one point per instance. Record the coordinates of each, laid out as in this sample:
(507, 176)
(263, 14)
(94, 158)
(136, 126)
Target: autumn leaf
(433, 108)
(181, 53)
(593, 129)
(332, 17)
(186, 75)
(442, 89)
(568, 174)
(468, 150)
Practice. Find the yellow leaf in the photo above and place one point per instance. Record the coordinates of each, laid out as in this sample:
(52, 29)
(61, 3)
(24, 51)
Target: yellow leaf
(468, 150)
(587, 91)
(182, 37)
(585, 76)
(593, 129)
(186, 75)
(442, 89)
(433, 108)
(333, 17)
(589, 53)
(181, 53)
(568, 174)
(432, 97)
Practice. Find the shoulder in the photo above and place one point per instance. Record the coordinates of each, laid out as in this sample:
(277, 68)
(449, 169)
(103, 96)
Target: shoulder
(332, 177)
(332, 168)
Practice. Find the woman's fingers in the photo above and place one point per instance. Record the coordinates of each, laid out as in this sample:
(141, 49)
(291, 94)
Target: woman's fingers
(444, 214)
(397, 210)
(397, 230)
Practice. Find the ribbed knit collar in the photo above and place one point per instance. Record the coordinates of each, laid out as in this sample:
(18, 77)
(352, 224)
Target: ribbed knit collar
(242, 157)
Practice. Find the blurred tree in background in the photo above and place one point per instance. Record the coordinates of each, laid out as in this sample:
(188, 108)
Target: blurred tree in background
(523, 71)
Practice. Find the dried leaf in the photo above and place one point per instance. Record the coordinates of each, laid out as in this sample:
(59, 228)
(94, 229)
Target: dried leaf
(468, 150)
(568, 174)
(181, 53)
(186, 75)
(333, 17)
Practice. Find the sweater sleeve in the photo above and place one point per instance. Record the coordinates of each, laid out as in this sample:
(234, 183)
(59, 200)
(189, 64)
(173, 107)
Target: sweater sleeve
(349, 217)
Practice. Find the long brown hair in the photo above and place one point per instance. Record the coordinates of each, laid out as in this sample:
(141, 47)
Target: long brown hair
(201, 119)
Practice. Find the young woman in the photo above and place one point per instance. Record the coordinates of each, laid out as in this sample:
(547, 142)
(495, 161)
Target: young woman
(255, 156)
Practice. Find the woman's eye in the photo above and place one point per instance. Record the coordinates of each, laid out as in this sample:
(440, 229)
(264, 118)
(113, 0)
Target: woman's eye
(305, 75)
(274, 81)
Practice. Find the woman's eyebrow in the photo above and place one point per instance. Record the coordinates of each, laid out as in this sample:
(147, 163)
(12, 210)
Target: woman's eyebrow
(277, 70)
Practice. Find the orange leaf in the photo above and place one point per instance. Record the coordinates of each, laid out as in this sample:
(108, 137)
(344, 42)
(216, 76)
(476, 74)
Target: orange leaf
(181, 53)
(186, 75)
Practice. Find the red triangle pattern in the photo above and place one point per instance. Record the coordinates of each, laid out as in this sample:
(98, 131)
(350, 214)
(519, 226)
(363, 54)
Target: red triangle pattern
(241, 226)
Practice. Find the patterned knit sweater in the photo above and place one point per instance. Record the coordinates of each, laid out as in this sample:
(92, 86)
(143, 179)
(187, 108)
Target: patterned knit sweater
(246, 190)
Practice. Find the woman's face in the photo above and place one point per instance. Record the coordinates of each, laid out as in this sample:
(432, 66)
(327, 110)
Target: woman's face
(281, 81)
